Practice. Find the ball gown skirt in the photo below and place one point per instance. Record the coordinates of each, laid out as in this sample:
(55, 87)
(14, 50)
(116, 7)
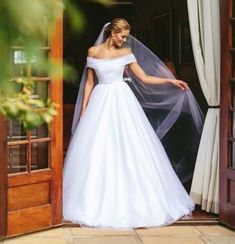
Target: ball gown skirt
(116, 173)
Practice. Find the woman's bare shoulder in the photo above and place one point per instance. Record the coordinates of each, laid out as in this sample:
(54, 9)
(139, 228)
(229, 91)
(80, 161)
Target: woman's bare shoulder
(92, 51)
(97, 51)
(125, 51)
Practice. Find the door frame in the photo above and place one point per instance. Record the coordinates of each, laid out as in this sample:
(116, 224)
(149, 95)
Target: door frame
(3, 177)
(227, 174)
(56, 56)
(57, 126)
(54, 175)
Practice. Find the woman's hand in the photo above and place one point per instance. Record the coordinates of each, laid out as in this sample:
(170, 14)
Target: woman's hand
(148, 79)
(181, 84)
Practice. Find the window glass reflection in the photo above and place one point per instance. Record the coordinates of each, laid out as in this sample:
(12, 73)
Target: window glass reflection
(40, 155)
(233, 156)
(39, 65)
(233, 34)
(233, 8)
(41, 91)
(233, 65)
(15, 131)
(17, 158)
(40, 132)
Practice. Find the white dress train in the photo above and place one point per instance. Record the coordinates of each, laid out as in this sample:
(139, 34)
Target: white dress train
(116, 173)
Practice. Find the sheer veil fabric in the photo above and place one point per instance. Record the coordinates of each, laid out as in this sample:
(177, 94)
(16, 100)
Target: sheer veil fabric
(117, 173)
(173, 113)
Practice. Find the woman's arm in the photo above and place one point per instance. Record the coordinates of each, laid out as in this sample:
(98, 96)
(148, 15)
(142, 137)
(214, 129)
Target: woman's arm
(88, 89)
(138, 71)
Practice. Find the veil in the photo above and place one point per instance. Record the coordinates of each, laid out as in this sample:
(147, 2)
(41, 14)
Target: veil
(173, 113)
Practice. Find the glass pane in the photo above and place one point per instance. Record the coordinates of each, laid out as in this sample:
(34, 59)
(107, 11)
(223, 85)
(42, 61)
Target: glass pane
(40, 132)
(233, 65)
(233, 156)
(232, 95)
(44, 31)
(17, 158)
(15, 131)
(233, 8)
(41, 91)
(37, 60)
(233, 125)
(40, 155)
(39, 64)
(19, 63)
(233, 34)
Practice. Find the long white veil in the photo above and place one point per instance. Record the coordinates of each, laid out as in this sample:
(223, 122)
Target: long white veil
(174, 113)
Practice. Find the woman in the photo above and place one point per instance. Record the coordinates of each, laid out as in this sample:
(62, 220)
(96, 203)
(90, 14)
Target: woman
(116, 172)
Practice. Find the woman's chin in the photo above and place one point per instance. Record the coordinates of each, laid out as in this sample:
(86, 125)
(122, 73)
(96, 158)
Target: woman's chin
(119, 44)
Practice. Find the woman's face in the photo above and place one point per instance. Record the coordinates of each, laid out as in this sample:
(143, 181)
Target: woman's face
(120, 37)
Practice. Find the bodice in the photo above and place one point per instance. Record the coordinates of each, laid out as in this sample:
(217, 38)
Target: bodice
(110, 70)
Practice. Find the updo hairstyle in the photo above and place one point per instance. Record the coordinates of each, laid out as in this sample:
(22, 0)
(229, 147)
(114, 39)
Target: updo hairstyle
(117, 25)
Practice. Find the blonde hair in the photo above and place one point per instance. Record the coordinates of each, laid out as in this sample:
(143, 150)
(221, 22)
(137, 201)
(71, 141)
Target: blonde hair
(117, 25)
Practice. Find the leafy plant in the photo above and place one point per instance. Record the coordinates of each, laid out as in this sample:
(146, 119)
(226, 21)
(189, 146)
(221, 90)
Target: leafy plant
(23, 106)
(25, 24)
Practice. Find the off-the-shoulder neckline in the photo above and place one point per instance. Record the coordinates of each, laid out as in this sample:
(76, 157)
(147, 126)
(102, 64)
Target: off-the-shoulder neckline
(107, 59)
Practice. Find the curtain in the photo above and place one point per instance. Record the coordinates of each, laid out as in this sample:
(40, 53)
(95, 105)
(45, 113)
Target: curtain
(204, 20)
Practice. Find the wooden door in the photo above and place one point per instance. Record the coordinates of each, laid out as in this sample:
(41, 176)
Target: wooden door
(31, 162)
(227, 121)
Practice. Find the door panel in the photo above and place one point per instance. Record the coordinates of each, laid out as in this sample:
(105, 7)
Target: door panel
(29, 219)
(24, 196)
(227, 121)
(32, 167)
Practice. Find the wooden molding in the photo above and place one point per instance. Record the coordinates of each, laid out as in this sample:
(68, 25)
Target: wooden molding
(3, 177)
(56, 88)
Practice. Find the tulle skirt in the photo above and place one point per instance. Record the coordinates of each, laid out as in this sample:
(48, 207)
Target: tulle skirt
(116, 173)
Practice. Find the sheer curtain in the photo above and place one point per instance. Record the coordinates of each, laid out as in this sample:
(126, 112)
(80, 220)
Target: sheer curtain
(204, 19)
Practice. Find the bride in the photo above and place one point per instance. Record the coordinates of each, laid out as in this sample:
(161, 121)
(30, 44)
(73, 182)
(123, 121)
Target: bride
(117, 173)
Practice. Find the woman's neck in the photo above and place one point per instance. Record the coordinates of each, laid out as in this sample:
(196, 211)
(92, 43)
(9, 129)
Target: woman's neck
(109, 44)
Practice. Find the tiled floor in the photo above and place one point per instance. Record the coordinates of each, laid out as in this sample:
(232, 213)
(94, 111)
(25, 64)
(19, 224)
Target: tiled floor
(197, 234)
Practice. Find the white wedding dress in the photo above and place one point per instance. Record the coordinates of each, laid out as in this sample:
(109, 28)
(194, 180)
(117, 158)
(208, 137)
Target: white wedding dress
(116, 173)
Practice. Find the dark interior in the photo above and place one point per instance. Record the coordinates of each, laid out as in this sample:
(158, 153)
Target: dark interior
(163, 26)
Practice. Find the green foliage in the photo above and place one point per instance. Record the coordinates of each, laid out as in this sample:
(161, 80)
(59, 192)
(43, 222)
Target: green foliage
(25, 25)
(75, 15)
(23, 106)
